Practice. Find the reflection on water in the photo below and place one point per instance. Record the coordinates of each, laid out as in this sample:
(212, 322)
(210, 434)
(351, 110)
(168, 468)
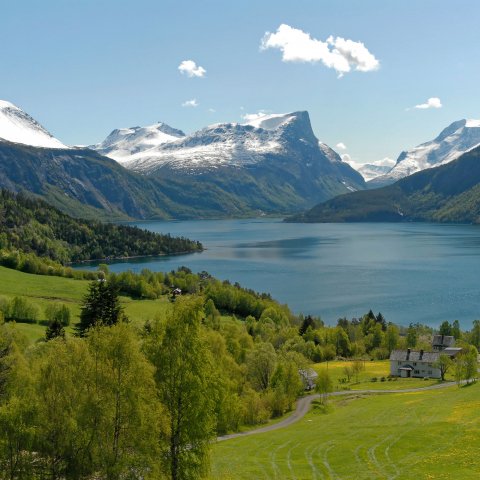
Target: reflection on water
(410, 272)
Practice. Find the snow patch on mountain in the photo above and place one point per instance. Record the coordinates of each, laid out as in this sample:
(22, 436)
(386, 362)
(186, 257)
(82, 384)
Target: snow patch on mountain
(145, 149)
(455, 140)
(268, 121)
(19, 127)
(369, 171)
(127, 144)
(220, 144)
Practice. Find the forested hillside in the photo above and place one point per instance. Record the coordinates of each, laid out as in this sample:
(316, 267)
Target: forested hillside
(449, 193)
(33, 226)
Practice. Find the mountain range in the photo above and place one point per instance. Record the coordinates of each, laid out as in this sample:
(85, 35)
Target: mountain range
(272, 166)
(448, 193)
(455, 140)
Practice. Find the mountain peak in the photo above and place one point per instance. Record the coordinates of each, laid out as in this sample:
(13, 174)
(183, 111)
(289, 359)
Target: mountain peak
(456, 139)
(19, 127)
(271, 121)
(124, 142)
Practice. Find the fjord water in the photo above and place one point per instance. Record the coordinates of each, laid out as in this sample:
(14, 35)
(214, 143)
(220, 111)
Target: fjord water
(410, 272)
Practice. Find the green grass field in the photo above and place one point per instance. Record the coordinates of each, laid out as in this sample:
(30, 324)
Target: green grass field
(426, 435)
(373, 369)
(42, 290)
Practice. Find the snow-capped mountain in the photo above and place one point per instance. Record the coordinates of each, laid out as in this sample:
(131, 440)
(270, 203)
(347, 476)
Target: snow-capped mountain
(124, 143)
(270, 162)
(149, 148)
(458, 138)
(19, 127)
(224, 144)
(369, 171)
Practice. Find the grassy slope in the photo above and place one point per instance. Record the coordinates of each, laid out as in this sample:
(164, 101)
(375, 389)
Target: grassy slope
(42, 290)
(377, 369)
(433, 434)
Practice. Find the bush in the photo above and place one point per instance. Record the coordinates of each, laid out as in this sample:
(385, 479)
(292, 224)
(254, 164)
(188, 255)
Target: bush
(57, 312)
(374, 379)
(21, 310)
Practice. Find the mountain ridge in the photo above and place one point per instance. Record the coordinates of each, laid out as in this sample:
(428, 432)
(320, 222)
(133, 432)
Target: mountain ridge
(449, 193)
(454, 140)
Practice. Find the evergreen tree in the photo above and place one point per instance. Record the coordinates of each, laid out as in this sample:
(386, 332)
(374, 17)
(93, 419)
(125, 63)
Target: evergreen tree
(55, 329)
(412, 336)
(445, 328)
(100, 306)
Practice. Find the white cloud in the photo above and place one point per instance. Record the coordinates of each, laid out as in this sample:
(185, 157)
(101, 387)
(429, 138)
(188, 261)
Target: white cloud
(432, 102)
(190, 103)
(250, 117)
(341, 146)
(211, 110)
(191, 69)
(347, 158)
(336, 52)
(384, 162)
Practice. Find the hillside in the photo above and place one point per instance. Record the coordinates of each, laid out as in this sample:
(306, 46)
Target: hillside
(83, 183)
(365, 437)
(449, 193)
(33, 226)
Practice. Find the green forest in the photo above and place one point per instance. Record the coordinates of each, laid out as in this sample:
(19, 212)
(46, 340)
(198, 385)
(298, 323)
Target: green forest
(31, 226)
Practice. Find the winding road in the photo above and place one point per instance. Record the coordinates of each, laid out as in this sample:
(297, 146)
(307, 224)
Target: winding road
(303, 406)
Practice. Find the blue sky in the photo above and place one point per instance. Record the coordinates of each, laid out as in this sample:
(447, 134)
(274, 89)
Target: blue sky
(83, 68)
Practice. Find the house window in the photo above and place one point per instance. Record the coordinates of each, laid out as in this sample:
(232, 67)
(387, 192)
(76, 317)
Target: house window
(416, 372)
(399, 363)
(414, 364)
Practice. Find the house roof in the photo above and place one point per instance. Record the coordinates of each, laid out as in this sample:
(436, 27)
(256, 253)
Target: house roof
(443, 341)
(427, 357)
(309, 373)
(452, 351)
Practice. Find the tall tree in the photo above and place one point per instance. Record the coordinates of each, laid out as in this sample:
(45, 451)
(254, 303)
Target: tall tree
(101, 306)
(445, 328)
(184, 380)
(125, 415)
(412, 336)
(444, 364)
(324, 385)
(261, 364)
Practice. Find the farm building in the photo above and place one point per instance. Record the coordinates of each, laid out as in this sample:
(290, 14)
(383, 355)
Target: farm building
(309, 376)
(410, 363)
(441, 342)
(420, 364)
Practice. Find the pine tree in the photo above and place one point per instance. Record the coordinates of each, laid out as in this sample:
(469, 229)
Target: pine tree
(100, 306)
(55, 329)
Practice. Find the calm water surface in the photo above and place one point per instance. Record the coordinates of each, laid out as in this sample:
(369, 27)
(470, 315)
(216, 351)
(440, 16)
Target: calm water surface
(410, 272)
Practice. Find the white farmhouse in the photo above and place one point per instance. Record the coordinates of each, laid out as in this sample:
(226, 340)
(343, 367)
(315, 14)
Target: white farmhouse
(410, 363)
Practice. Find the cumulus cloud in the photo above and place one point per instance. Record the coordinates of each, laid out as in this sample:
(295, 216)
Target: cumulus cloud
(191, 69)
(336, 52)
(384, 162)
(190, 103)
(432, 102)
(250, 117)
(341, 146)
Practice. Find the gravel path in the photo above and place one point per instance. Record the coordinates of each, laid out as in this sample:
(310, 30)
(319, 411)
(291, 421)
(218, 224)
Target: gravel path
(303, 406)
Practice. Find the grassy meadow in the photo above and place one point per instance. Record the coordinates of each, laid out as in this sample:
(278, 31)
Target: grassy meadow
(42, 290)
(423, 435)
(377, 369)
